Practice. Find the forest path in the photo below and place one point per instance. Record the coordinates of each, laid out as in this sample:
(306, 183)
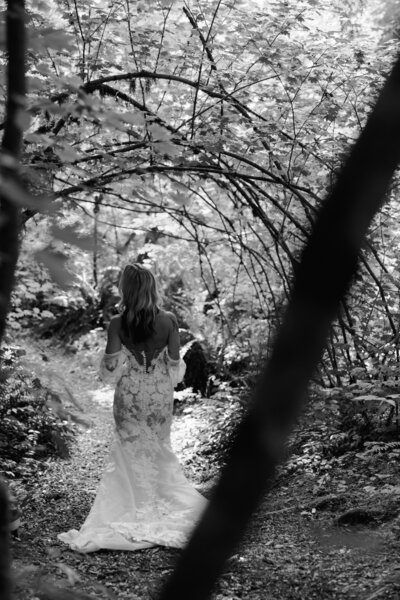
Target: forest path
(291, 551)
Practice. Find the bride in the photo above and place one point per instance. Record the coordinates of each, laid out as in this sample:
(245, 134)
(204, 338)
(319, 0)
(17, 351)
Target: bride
(143, 499)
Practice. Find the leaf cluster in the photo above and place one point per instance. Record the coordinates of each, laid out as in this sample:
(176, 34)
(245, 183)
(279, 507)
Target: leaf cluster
(200, 139)
(31, 429)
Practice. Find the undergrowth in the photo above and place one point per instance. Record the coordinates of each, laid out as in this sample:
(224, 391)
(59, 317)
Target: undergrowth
(33, 426)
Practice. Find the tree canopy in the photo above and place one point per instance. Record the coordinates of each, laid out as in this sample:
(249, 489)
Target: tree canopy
(202, 137)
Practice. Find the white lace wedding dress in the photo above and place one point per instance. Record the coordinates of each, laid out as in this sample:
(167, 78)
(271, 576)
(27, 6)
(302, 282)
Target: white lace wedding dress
(144, 498)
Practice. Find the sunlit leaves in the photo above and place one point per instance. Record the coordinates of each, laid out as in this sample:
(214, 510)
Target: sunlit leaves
(181, 198)
(166, 149)
(133, 118)
(286, 86)
(15, 193)
(50, 38)
(55, 263)
(70, 235)
(66, 153)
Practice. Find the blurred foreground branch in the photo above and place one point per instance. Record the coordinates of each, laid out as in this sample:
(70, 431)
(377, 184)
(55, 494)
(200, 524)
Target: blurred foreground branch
(9, 217)
(10, 150)
(328, 264)
(5, 559)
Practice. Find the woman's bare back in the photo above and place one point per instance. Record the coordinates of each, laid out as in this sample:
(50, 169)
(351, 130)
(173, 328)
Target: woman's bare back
(166, 333)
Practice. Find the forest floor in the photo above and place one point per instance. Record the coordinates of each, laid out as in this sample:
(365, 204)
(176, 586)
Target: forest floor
(301, 544)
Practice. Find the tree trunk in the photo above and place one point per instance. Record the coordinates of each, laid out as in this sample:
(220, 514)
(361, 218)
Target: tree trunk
(9, 219)
(10, 151)
(5, 559)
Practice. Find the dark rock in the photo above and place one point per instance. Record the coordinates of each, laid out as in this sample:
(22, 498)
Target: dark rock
(362, 516)
(197, 369)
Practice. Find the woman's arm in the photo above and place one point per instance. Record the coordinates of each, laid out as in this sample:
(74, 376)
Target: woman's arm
(113, 339)
(112, 360)
(173, 338)
(177, 366)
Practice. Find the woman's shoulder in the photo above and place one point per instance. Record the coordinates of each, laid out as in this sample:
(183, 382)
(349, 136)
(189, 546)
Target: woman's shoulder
(167, 317)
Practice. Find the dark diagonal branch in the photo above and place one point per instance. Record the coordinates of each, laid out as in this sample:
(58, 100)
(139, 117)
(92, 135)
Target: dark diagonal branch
(327, 267)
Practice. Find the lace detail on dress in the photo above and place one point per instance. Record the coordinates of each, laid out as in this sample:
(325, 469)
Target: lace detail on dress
(143, 498)
(177, 370)
(112, 365)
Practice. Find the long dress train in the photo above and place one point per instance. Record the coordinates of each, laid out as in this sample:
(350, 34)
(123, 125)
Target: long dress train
(144, 498)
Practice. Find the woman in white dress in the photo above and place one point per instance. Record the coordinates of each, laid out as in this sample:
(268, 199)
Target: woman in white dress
(144, 498)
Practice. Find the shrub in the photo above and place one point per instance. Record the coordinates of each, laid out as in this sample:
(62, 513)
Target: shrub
(29, 430)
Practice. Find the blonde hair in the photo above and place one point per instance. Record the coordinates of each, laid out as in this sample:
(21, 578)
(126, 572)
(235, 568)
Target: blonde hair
(139, 302)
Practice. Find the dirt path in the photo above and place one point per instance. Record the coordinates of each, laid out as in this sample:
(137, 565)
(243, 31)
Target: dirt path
(292, 549)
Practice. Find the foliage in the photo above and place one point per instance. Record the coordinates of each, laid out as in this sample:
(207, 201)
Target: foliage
(41, 305)
(362, 419)
(222, 415)
(31, 429)
(292, 530)
(200, 138)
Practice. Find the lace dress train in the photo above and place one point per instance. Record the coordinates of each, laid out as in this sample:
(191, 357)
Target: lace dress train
(144, 498)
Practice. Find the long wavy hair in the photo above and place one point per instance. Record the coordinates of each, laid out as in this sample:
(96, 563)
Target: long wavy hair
(139, 302)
